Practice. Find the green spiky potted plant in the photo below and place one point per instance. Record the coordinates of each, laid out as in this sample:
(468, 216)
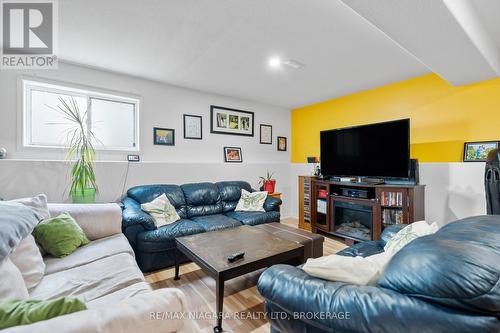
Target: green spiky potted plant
(268, 183)
(81, 152)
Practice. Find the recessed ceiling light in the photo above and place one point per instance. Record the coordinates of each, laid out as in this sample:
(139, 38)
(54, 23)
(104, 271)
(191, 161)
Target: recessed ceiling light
(274, 62)
(293, 63)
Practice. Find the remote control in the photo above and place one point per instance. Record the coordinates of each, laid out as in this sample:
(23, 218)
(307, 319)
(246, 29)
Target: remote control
(235, 256)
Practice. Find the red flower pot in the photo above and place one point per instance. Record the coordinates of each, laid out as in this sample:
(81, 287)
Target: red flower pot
(269, 185)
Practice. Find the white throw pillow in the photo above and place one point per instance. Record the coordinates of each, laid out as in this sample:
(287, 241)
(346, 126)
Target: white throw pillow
(161, 210)
(251, 202)
(38, 204)
(29, 261)
(11, 281)
(354, 270)
(409, 233)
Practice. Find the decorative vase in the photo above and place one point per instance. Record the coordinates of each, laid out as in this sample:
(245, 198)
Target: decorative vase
(83, 197)
(3, 153)
(269, 185)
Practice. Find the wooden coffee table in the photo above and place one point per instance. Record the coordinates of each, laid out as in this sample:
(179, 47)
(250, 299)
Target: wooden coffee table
(210, 250)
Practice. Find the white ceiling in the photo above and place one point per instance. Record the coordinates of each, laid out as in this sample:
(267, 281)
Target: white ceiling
(223, 46)
(449, 36)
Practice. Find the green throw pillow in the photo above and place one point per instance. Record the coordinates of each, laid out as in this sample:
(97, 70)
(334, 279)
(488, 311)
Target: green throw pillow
(60, 236)
(28, 311)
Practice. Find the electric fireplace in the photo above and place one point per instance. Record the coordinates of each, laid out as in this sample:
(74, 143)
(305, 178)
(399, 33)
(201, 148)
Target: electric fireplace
(353, 220)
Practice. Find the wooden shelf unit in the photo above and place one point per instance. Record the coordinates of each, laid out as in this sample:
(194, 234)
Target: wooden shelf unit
(305, 202)
(385, 204)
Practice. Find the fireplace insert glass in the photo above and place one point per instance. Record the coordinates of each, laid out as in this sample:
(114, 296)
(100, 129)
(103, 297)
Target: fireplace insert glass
(353, 220)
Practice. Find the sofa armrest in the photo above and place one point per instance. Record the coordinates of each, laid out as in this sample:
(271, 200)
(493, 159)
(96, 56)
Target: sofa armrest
(272, 204)
(342, 307)
(133, 215)
(96, 220)
(363, 249)
(369, 248)
(145, 313)
(390, 231)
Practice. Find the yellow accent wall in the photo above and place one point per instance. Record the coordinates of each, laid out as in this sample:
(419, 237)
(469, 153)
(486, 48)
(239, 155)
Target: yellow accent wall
(442, 116)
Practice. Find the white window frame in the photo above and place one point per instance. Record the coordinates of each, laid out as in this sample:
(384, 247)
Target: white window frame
(35, 84)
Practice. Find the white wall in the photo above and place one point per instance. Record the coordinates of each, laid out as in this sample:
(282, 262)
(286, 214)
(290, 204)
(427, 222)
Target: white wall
(162, 106)
(453, 190)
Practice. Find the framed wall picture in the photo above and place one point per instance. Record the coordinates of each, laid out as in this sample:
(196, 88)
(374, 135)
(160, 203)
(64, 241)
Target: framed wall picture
(231, 121)
(233, 155)
(193, 127)
(164, 136)
(478, 151)
(281, 143)
(266, 134)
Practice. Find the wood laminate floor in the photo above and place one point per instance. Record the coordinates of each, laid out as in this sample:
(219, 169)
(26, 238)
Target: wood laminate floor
(241, 296)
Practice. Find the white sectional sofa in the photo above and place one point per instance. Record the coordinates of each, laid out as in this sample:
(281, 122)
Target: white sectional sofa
(104, 274)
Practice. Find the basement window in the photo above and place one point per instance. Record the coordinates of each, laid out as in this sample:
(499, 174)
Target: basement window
(111, 118)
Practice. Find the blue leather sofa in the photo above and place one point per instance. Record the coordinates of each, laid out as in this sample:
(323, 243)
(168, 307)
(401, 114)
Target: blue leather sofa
(446, 282)
(202, 207)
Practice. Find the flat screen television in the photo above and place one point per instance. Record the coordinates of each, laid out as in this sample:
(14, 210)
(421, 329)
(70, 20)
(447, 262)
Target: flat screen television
(373, 151)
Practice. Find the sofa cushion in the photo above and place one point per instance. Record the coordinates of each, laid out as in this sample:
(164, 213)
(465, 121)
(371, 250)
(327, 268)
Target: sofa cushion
(202, 199)
(230, 192)
(458, 266)
(98, 249)
(254, 218)
(120, 295)
(11, 281)
(163, 238)
(16, 222)
(132, 315)
(147, 193)
(216, 222)
(90, 281)
(28, 259)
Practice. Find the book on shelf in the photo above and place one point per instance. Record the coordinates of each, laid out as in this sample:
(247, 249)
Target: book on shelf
(391, 199)
(391, 216)
(321, 206)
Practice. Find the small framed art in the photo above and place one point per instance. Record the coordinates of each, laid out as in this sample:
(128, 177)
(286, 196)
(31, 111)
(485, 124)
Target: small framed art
(232, 155)
(478, 151)
(281, 143)
(266, 134)
(193, 127)
(164, 136)
(231, 121)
